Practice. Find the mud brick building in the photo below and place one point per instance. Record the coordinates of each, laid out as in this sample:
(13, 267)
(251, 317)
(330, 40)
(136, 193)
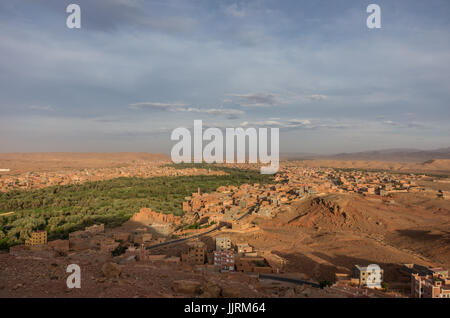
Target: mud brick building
(253, 264)
(195, 253)
(142, 238)
(434, 285)
(243, 248)
(122, 236)
(108, 245)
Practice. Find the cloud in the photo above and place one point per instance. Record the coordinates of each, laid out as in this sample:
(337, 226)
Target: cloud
(234, 11)
(293, 123)
(180, 107)
(317, 97)
(128, 50)
(416, 124)
(302, 124)
(300, 121)
(159, 106)
(256, 99)
(412, 124)
(229, 113)
(272, 99)
(390, 122)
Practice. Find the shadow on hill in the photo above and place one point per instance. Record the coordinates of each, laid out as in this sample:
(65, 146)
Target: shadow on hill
(425, 235)
(314, 270)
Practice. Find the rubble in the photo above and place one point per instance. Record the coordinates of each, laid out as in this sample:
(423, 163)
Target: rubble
(188, 287)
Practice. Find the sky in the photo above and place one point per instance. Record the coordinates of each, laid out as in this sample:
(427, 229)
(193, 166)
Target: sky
(136, 70)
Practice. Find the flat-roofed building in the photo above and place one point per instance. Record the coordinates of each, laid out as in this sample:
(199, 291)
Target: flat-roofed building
(223, 243)
(224, 260)
(256, 264)
(243, 248)
(37, 238)
(370, 276)
(430, 286)
(195, 254)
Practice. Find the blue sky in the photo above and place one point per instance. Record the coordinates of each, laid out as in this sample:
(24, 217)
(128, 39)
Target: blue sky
(138, 69)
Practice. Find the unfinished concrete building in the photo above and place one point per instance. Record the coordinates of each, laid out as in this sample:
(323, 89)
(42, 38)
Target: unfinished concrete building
(224, 260)
(37, 238)
(370, 276)
(223, 243)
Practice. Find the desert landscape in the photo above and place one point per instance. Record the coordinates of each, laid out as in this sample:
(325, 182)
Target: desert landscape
(224, 157)
(299, 233)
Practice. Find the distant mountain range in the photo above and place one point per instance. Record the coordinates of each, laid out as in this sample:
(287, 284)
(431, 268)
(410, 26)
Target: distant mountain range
(398, 154)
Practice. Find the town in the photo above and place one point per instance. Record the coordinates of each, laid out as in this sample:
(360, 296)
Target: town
(235, 234)
(141, 169)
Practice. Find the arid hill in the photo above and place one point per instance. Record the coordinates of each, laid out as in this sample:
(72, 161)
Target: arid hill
(441, 166)
(389, 155)
(399, 155)
(321, 235)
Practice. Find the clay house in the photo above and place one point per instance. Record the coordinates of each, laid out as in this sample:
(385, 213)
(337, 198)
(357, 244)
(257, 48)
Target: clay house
(253, 264)
(430, 286)
(108, 245)
(243, 248)
(265, 211)
(122, 236)
(186, 206)
(142, 238)
(195, 253)
(409, 269)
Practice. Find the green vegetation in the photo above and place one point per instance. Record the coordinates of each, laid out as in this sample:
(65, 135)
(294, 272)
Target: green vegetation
(64, 209)
(196, 226)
